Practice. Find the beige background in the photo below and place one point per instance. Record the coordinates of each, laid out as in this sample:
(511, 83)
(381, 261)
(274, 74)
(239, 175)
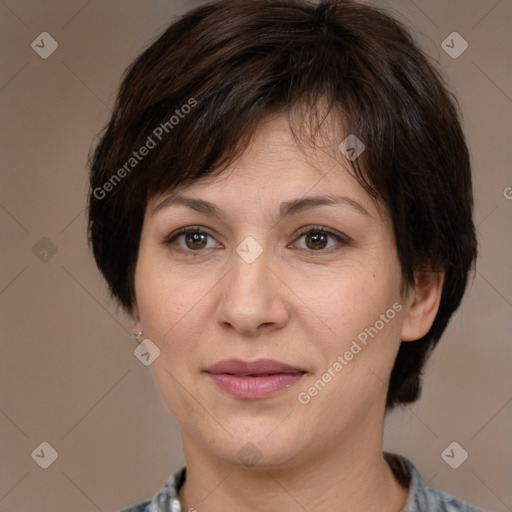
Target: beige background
(68, 374)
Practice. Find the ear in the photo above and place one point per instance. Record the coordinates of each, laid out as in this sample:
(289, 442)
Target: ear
(423, 304)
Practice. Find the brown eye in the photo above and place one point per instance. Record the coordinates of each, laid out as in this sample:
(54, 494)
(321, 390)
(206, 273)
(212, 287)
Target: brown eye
(317, 240)
(195, 240)
(190, 239)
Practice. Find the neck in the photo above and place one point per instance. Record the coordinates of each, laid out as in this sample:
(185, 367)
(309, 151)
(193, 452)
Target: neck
(348, 475)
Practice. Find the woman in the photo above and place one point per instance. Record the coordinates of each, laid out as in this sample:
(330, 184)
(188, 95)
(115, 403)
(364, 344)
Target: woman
(282, 202)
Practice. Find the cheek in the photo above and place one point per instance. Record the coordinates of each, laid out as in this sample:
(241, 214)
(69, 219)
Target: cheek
(172, 307)
(362, 313)
(171, 317)
(350, 302)
(159, 304)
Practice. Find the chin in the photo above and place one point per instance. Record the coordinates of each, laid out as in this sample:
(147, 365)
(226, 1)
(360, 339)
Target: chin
(260, 448)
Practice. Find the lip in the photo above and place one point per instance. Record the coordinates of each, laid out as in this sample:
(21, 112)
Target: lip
(253, 379)
(257, 368)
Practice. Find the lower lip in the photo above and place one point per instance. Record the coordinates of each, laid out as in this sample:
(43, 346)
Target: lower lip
(254, 387)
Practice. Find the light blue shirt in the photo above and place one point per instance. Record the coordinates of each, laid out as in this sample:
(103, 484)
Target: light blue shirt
(421, 497)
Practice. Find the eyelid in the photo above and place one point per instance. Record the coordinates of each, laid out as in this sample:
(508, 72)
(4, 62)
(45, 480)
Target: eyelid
(340, 237)
(322, 229)
(183, 231)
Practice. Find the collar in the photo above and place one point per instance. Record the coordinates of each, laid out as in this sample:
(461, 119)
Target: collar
(420, 496)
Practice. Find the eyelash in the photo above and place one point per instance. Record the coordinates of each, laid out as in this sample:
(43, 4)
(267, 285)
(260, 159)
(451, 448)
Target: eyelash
(169, 240)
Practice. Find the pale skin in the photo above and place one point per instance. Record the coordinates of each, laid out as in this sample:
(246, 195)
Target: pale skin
(302, 301)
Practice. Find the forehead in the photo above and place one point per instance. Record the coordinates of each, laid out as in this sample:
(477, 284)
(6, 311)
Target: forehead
(275, 167)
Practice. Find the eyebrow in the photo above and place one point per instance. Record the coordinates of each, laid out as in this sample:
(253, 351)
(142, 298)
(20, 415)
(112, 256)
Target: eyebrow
(286, 209)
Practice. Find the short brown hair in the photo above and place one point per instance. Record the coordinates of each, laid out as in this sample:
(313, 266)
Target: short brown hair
(232, 63)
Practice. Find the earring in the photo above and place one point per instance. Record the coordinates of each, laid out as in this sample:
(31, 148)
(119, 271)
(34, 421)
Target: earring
(137, 335)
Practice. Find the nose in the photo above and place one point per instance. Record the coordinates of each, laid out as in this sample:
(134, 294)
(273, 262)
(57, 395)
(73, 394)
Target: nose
(253, 297)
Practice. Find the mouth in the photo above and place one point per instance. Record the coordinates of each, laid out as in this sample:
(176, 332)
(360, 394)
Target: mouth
(253, 379)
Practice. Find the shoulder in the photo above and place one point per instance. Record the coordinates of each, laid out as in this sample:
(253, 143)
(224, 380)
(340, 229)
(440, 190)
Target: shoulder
(423, 498)
(141, 506)
(166, 499)
(443, 502)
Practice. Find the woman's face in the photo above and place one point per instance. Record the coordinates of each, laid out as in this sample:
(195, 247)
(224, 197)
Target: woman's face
(257, 279)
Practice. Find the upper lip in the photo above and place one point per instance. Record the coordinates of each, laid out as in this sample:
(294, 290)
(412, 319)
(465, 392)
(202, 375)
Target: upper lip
(258, 367)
